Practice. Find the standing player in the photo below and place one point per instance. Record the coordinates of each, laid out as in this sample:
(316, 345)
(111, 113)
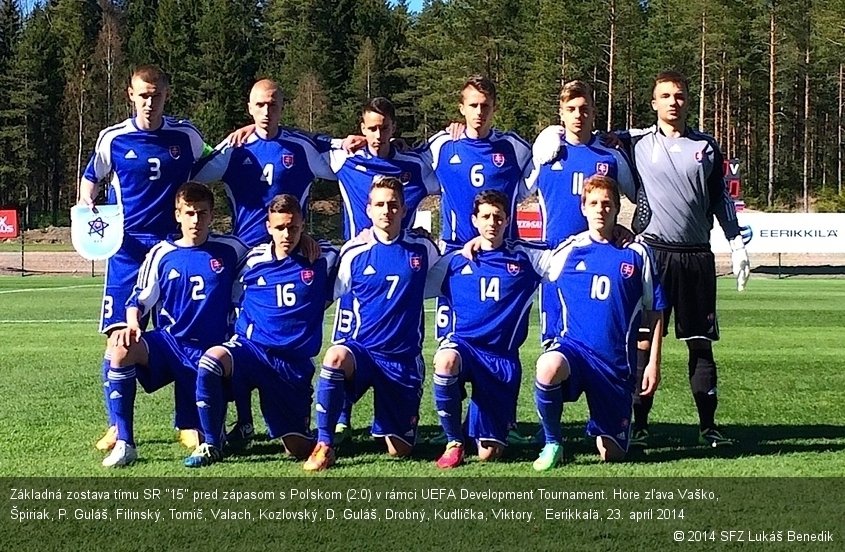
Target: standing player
(272, 161)
(484, 350)
(559, 183)
(279, 329)
(605, 290)
(188, 284)
(386, 279)
(146, 157)
(682, 190)
(355, 173)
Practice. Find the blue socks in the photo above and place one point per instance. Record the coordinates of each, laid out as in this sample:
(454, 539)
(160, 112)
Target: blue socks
(549, 399)
(122, 390)
(447, 401)
(105, 372)
(331, 396)
(210, 402)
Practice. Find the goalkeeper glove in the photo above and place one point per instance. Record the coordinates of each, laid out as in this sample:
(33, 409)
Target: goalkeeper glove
(547, 145)
(740, 262)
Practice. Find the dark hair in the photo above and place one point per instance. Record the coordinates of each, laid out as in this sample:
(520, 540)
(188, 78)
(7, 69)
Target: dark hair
(285, 203)
(482, 84)
(601, 182)
(382, 106)
(194, 192)
(672, 76)
(491, 197)
(152, 74)
(389, 183)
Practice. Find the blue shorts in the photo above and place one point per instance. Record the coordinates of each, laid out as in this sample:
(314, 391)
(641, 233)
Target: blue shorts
(495, 383)
(283, 382)
(551, 313)
(397, 385)
(444, 316)
(121, 276)
(609, 391)
(170, 361)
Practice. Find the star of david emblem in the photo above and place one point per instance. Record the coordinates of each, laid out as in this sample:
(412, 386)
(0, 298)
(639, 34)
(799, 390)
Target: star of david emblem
(97, 226)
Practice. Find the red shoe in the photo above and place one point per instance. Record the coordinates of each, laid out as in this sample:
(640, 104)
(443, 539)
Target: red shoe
(452, 457)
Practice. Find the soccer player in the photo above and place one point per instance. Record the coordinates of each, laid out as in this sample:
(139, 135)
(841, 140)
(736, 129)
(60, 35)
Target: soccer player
(682, 190)
(272, 160)
(146, 157)
(386, 279)
(559, 183)
(605, 289)
(279, 328)
(187, 283)
(484, 350)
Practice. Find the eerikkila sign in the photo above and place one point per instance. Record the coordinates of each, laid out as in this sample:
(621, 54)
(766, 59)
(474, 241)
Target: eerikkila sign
(788, 233)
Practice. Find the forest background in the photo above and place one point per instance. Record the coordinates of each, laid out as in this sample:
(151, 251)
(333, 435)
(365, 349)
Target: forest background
(766, 76)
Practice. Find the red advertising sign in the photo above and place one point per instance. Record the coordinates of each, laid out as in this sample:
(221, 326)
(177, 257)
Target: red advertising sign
(529, 225)
(9, 224)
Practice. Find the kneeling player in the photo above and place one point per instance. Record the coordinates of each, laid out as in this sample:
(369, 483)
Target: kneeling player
(605, 289)
(279, 328)
(491, 297)
(187, 283)
(386, 279)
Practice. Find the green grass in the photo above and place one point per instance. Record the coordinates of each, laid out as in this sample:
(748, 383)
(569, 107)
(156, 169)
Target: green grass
(782, 394)
(13, 246)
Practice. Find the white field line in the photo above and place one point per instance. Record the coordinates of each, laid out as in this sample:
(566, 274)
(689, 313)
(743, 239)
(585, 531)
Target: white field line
(27, 290)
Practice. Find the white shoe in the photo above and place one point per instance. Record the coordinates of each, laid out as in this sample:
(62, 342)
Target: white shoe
(122, 454)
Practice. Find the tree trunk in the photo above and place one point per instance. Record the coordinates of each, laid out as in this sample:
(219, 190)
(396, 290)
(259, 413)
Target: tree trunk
(771, 177)
(701, 79)
(805, 171)
(610, 65)
(839, 135)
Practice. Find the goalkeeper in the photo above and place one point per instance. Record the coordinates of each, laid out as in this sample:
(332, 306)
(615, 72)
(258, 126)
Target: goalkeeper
(683, 188)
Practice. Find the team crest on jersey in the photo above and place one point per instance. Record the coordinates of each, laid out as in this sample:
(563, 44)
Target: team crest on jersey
(216, 265)
(175, 152)
(307, 276)
(405, 177)
(602, 169)
(416, 262)
(627, 270)
(287, 160)
(699, 156)
(498, 159)
(513, 269)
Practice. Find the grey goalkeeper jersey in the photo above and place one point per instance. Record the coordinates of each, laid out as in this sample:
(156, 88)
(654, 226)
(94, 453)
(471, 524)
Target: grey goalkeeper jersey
(683, 181)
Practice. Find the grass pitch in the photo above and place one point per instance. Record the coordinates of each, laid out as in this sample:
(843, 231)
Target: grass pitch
(781, 388)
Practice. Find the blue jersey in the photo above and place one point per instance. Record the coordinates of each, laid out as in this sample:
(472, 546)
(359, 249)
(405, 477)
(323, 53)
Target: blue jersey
(468, 166)
(492, 295)
(559, 184)
(189, 289)
(604, 289)
(146, 168)
(355, 174)
(387, 284)
(283, 299)
(260, 170)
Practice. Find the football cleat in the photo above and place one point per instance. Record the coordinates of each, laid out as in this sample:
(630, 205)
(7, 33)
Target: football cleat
(518, 439)
(189, 438)
(240, 434)
(203, 455)
(322, 458)
(342, 433)
(452, 457)
(550, 457)
(714, 438)
(107, 441)
(122, 454)
(639, 439)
